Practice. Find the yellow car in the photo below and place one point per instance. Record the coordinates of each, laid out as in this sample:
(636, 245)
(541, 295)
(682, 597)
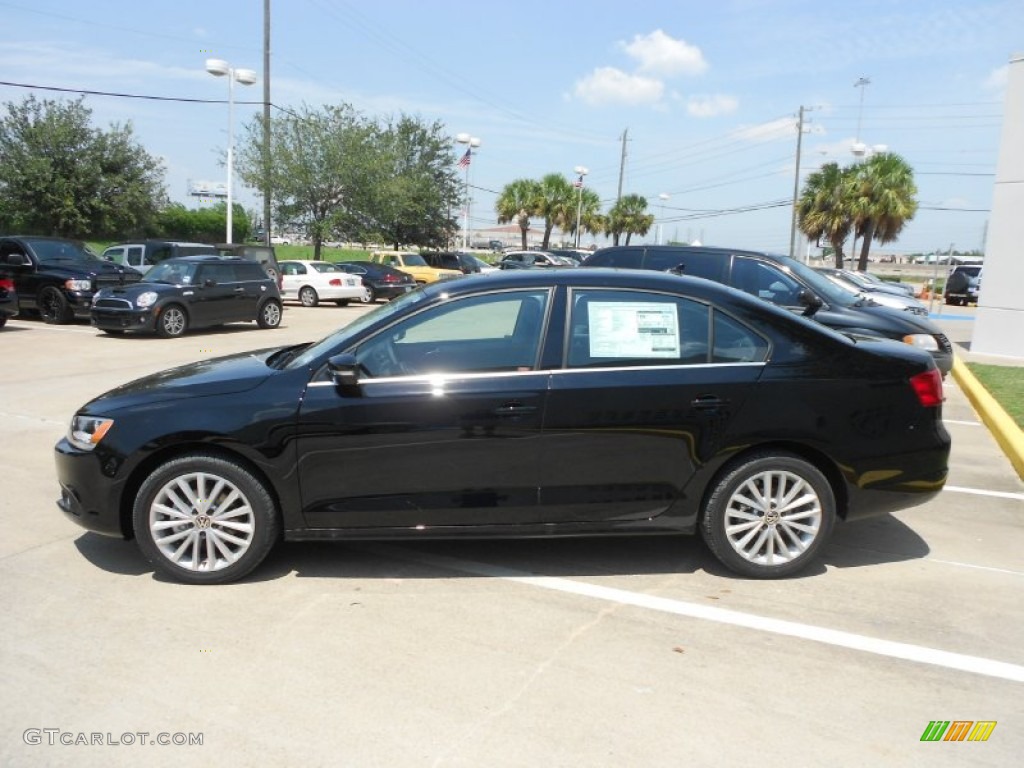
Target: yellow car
(415, 265)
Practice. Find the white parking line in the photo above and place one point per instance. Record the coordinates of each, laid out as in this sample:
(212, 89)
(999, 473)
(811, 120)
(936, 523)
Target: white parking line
(962, 423)
(916, 653)
(983, 492)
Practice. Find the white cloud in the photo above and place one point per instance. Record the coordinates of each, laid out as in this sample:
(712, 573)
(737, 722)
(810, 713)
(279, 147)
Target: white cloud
(997, 79)
(783, 128)
(711, 106)
(608, 85)
(659, 54)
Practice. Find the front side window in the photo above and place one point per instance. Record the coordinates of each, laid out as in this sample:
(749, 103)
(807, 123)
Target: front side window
(134, 257)
(766, 282)
(493, 332)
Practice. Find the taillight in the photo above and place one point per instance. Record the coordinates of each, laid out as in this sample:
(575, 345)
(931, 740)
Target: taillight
(928, 388)
(335, 282)
(7, 283)
(392, 279)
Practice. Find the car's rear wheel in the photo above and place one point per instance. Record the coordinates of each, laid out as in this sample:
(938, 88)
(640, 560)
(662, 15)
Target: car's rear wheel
(369, 295)
(308, 296)
(54, 307)
(769, 516)
(270, 314)
(204, 519)
(172, 322)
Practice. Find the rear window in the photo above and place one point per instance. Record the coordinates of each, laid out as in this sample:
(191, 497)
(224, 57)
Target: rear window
(621, 258)
(690, 263)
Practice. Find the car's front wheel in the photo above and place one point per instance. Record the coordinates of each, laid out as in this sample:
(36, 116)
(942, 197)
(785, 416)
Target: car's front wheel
(308, 296)
(204, 519)
(54, 307)
(769, 516)
(172, 322)
(270, 314)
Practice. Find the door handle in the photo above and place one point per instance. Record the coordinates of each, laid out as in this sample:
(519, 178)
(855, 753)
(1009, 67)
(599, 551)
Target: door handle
(708, 402)
(514, 409)
(239, 289)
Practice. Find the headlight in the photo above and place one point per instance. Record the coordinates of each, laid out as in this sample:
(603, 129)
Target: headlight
(78, 285)
(146, 299)
(923, 341)
(87, 431)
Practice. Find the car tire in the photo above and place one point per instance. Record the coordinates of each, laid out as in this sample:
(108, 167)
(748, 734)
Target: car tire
(308, 296)
(341, 302)
(53, 306)
(3, 320)
(270, 314)
(204, 519)
(172, 321)
(369, 295)
(746, 529)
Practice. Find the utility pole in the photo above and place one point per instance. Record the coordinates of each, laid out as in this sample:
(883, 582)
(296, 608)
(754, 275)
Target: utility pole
(796, 181)
(266, 122)
(622, 163)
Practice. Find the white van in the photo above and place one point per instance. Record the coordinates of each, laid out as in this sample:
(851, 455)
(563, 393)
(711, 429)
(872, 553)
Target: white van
(143, 254)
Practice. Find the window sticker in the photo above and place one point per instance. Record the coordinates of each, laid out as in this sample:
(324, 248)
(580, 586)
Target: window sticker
(641, 329)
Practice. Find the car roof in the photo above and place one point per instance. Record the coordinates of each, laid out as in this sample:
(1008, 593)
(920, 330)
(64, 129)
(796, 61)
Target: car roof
(208, 258)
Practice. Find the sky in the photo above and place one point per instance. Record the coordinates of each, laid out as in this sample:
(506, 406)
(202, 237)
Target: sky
(702, 97)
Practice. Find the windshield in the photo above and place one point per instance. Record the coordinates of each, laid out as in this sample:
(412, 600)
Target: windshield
(820, 284)
(172, 273)
(62, 250)
(336, 341)
(322, 266)
(414, 260)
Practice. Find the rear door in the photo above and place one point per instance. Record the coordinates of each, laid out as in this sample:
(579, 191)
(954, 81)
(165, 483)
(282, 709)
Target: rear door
(650, 386)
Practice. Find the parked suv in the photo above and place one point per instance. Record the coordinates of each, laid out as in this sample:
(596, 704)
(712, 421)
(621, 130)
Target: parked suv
(788, 283)
(57, 278)
(962, 285)
(190, 292)
(142, 255)
(264, 254)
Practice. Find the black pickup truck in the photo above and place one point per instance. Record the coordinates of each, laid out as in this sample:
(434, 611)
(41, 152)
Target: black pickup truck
(57, 278)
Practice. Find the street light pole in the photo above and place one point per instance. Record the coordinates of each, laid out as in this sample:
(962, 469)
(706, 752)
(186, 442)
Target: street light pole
(663, 197)
(220, 68)
(581, 171)
(472, 143)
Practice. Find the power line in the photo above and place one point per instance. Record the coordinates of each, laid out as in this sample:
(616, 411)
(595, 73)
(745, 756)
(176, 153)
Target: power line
(87, 92)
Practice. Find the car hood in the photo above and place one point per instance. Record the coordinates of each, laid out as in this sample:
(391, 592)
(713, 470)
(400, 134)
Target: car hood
(219, 376)
(132, 290)
(104, 271)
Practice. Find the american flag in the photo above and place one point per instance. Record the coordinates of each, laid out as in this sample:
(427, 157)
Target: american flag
(464, 161)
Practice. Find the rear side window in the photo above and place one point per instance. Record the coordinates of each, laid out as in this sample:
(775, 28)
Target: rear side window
(621, 258)
(250, 270)
(636, 328)
(735, 343)
(690, 263)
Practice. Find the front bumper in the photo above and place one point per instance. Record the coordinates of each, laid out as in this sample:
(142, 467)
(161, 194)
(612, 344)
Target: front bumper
(91, 490)
(124, 319)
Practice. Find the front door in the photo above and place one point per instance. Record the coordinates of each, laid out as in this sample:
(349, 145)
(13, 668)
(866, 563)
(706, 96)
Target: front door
(444, 428)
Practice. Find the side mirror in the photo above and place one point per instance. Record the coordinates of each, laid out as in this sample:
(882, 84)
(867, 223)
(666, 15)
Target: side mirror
(17, 259)
(810, 301)
(344, 370)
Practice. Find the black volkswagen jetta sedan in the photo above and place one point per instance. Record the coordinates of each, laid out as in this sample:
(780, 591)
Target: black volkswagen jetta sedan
(684, 406)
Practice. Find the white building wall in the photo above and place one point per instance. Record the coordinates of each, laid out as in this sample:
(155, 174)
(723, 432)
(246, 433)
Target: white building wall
(999, 323)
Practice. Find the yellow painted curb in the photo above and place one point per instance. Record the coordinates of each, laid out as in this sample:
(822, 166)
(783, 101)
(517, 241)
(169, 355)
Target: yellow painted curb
(1003, 428)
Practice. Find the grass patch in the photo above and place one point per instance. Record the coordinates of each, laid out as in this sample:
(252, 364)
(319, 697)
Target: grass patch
(1006, 385)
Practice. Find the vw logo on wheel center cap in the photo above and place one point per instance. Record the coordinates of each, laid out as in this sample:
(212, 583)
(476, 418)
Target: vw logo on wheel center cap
(202, 522)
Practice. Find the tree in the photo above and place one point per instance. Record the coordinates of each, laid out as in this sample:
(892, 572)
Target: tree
(204, 225)
(556, 202)
(517, 202)
(60, 176)
(628, 217)
(882, 200)
(591, 219)
(823, 209)
(321, 168)
(415, 184)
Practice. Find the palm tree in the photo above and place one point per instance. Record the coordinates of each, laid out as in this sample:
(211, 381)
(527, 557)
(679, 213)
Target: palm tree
(518, 202)
(882, 200)
(556, 203)
(823, 209)
(628, 216)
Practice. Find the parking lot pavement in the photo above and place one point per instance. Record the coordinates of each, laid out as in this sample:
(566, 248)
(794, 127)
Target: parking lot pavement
(629, 651)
